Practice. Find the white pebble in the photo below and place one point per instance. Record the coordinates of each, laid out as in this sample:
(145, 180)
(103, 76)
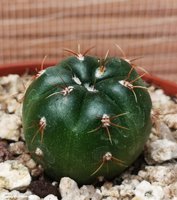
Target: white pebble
(69, 191)
(3, 194)
(68, 188)
(127, 187)
(50, 197)
(163, 150)
(171, 120)
(97, 195)
(159, 98)
(31, 164)
(12, 83)
(110, 191)
(110, 198)
(14, 175)
(146, 191)
(163, 175)
(165, 132)
(14, 195)
(17, 148)
(9, 126)
(87, 191)
(12, 105)
(171, 191)
(33, 197)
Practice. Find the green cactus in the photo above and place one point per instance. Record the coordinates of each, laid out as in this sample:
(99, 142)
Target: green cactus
(86, 117)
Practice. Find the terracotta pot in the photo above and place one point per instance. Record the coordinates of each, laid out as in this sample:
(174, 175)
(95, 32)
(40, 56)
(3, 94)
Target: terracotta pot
(169, 87)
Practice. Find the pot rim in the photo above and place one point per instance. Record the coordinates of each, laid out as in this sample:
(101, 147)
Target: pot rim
(169, 87)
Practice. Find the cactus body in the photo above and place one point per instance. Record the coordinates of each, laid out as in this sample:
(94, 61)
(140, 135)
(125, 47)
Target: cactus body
(85, 118)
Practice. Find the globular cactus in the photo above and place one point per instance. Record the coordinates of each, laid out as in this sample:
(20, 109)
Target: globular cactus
(87, 117)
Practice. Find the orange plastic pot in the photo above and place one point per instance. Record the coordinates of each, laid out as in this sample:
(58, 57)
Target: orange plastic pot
(169, 87)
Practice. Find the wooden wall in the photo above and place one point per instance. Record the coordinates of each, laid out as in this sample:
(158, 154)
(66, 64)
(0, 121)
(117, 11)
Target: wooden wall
(31, 29)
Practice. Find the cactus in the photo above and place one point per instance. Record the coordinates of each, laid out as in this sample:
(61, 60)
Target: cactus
(86, 117)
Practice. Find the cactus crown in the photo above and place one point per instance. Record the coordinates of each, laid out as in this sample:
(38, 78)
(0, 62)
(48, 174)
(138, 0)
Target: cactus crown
(86, 117)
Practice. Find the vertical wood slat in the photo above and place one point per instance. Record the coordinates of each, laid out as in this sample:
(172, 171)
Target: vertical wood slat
(32, 29)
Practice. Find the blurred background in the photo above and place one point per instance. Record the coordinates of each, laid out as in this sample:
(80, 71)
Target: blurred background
(32, 29)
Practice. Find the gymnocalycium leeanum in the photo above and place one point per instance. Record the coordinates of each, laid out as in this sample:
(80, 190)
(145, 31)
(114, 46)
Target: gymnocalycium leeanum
(86, 117)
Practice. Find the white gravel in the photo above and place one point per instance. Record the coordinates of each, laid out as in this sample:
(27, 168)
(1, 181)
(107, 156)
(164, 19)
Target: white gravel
(147, 191)
(50, 197)
(9, 126)
(14, 175)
